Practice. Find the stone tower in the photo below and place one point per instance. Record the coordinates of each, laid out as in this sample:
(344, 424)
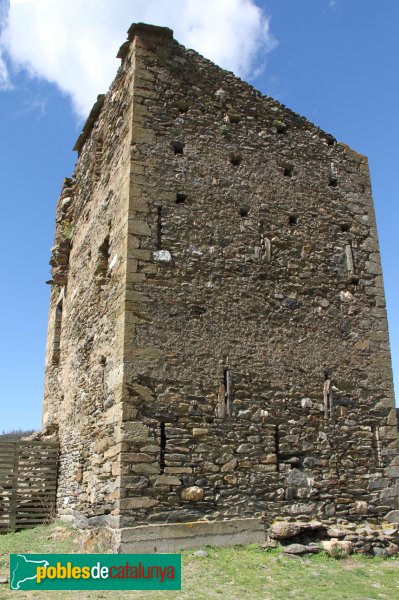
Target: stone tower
(217, 346)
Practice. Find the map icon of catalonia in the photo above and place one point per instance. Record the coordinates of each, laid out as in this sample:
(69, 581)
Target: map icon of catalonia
(24, 569)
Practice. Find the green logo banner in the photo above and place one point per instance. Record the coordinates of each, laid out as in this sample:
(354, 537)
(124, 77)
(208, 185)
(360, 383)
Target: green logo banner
(95, 571)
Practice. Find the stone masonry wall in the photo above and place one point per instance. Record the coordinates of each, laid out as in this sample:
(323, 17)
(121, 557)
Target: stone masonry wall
(234, 360)
(84, 362)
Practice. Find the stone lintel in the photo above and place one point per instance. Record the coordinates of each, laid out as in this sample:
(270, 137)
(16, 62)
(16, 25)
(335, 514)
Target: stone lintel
(173, 537)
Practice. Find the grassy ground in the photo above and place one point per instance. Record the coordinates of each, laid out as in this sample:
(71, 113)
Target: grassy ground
(231, 573)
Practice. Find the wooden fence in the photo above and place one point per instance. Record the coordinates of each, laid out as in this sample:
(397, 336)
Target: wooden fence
(28, 483)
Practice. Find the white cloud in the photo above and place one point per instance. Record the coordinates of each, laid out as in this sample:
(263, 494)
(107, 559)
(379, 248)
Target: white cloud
(4, 78)
(73, 42)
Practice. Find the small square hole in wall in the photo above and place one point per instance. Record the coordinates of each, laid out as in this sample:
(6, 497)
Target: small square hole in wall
(183, 106)
(181, 198)
(104, 254)
(280, 126)
(355, 280)
(288, 171)
(333, 182)
(235, 160)
(345, 227)
(293, 220)
(244, 210)
(178, 147)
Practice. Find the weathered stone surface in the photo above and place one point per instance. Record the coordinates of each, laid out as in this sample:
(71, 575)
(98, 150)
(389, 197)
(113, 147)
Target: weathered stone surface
(116, 468)
(135, 482)
(392, 549)
(193, 494)
(96, 540)
(244, 448)
(306, 403)
(380, 552)
(145, 468)
(134, 457)
(361, 507)
(167, 480)
(295, 549)
(301, 549)
(199, 432)
(283, 529)
(335, 533)
(270, 459)
(229, 466)
(392, 516)
(362, 536)
(142, 502)
(178, 470)
(337, 548)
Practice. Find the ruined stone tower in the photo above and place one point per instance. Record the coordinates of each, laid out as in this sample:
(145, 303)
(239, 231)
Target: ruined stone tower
(217, 345)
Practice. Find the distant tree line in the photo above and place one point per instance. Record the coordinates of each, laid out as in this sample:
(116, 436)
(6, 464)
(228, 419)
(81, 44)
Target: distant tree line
(15, 434)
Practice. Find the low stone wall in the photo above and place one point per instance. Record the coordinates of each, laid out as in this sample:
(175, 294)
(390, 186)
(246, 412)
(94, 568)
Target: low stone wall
(336, 537)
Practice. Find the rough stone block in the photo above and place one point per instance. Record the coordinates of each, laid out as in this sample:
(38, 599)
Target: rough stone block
(193, 494)
(337, 548)
(137, 503)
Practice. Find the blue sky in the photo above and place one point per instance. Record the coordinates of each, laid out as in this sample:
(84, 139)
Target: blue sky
(334, 62)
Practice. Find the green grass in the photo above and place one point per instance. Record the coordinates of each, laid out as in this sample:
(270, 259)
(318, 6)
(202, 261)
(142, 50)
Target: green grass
(236, 573)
